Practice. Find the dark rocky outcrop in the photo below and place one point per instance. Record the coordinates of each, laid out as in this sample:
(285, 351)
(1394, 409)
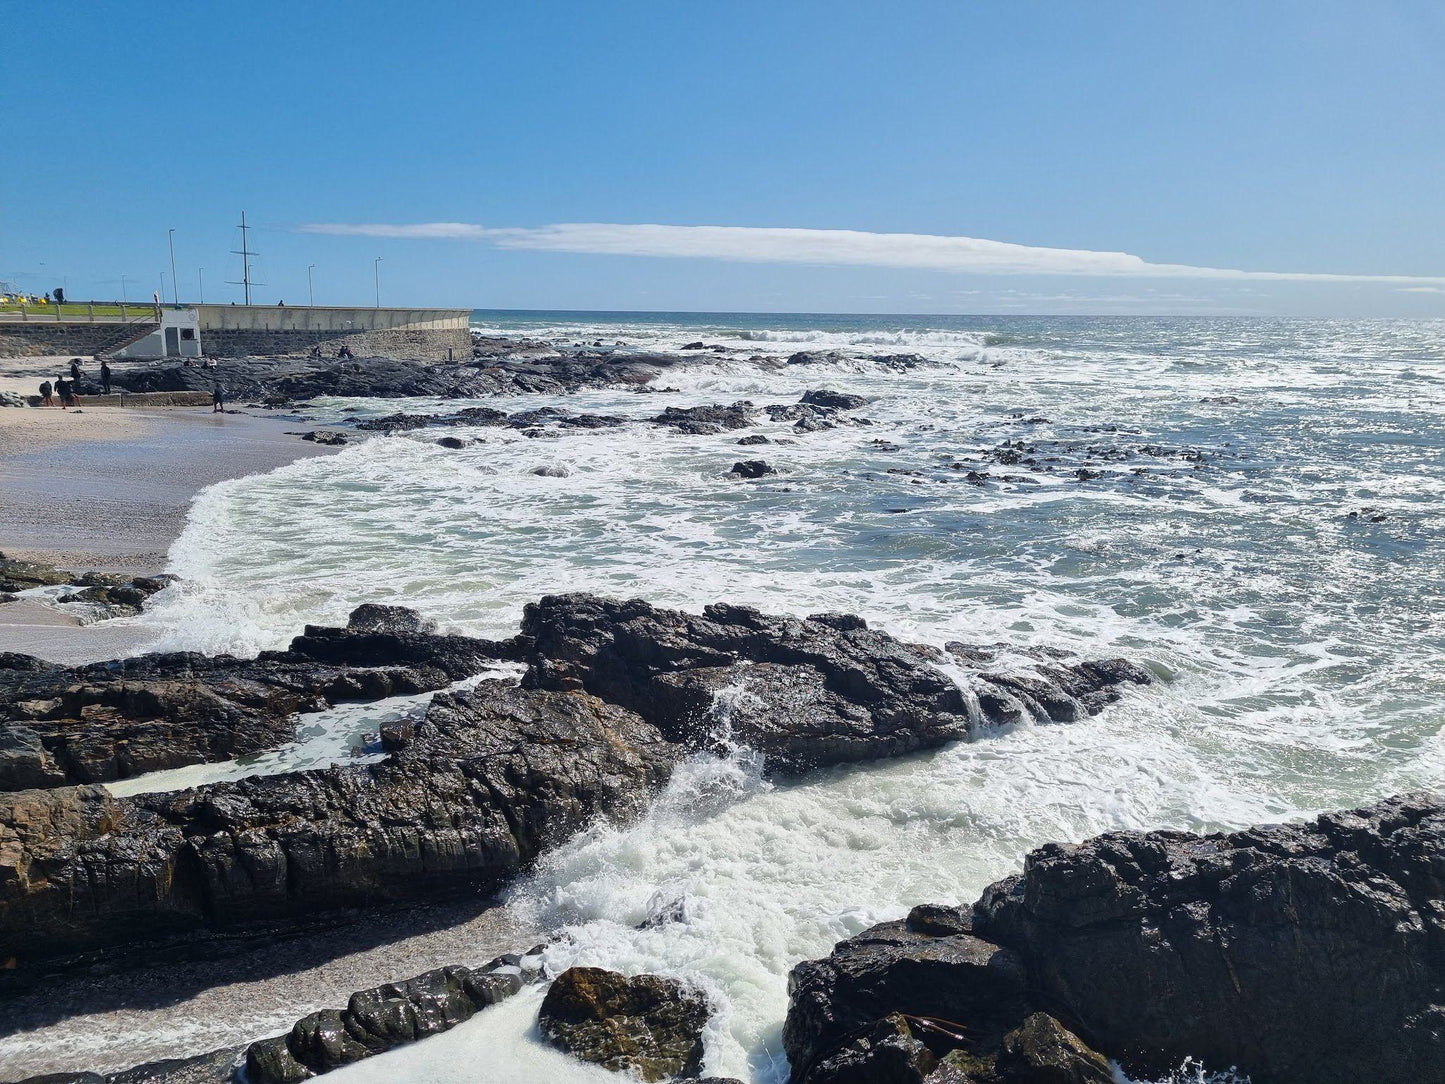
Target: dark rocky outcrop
(646, 1025)
(817, 357)
(832, 400)
(385, 1017)
(400, 423)
(506, 367)
(17, 575)
(615, 693)
(113, 720)
(752, 468)
(818, 410)
(822, 690)
(373, 1021)
(961, 982)
(708, 419)
(1043, 1051)
(530, 421)
(1301, 954)
(1308, 952)
(115, 595)
(105, 594)
(493, 776)
(326, 437)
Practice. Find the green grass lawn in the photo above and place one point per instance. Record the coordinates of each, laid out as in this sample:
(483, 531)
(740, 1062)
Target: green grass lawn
(134, 310)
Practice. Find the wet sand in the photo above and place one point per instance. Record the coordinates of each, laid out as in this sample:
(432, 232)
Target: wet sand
(108, 488)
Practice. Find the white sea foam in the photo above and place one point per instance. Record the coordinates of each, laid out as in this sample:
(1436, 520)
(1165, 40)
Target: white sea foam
(1302, 650)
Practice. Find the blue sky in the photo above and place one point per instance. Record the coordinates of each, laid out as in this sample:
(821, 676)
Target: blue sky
(1295, 138)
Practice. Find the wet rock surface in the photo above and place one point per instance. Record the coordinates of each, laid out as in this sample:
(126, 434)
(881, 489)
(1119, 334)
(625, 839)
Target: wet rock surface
(963, 983)
(539, 419)
(113, 720)
(708, 419)
(493, 776)
(816, 410)
(498, 367)
(813, 691)
(647, 1026)
(752, 468)
(385, 1017)
(17, 575)
(99, 594)
(1250, 949)
(614, 694)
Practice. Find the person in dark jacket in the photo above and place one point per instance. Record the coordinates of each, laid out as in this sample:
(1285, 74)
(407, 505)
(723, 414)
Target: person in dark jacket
(47, 394)
(74, 368)
(218, 400)
(105, 375)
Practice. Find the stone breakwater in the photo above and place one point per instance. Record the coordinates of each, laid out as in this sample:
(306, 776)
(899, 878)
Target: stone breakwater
(1300, 954)
(614, 695)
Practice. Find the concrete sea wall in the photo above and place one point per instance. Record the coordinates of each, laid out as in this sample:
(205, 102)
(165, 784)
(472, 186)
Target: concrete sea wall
(39, 338)
(410, 334)
(241, 330)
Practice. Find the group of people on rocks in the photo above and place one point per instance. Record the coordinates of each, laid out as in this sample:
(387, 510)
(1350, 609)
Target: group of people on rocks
(65, 390)
(344, 354)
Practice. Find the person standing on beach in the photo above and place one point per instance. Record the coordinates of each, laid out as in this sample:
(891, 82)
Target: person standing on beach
(218, 400)
(62, 392)
(74, 369)
(47, 397)
(105, 375)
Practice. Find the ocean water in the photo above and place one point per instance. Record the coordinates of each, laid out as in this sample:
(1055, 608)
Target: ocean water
(1301, 648)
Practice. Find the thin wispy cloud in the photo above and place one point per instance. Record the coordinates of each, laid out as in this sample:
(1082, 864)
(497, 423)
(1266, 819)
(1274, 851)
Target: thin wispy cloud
(857, 248)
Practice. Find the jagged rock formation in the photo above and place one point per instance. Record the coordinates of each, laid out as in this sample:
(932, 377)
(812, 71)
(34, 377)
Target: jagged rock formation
(1308, 952)
(927, 971)
(526, 420)
(708, 419)
(646, 1025)
(495, 775)
(17, 575)
(614, 694)
(387, 1016)
(114, 720)
(507, 367)
(815, 410)
(804, 692)
(1302, 954)
(107, 594)
(752, 468)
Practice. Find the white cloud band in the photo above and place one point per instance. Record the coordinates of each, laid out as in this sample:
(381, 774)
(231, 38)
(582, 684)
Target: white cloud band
(760, 244)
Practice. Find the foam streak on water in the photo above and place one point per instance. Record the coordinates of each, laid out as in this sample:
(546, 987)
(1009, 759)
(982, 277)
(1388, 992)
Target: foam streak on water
(1304, 649)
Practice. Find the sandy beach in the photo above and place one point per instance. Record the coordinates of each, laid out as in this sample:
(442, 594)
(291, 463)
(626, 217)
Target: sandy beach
(107, 488)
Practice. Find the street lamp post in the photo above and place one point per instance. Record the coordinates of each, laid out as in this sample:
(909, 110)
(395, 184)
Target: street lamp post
(310, 292)
(175, 283)
(376, 270)
(201, 284)
(163, 288)
(122, 290)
